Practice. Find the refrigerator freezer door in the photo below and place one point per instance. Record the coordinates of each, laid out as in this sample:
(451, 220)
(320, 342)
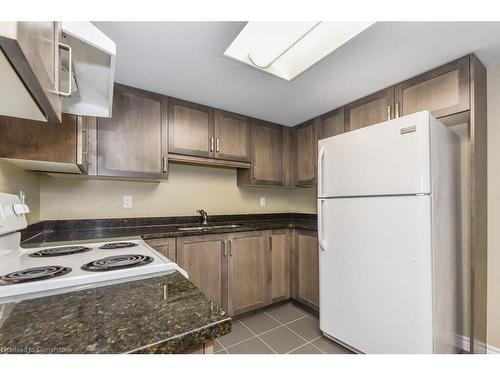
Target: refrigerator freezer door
(375, 273)
(388, 158)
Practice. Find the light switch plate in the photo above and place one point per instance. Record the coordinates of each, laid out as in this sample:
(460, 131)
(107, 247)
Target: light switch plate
(127, 201)
(263, 201)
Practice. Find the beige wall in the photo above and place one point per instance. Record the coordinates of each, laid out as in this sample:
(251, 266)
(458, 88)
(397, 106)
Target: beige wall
(494, 206)
(13, 179)
(188, 188)
(304, 200)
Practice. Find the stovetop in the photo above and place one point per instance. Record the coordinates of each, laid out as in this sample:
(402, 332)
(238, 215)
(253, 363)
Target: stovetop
(54, 269)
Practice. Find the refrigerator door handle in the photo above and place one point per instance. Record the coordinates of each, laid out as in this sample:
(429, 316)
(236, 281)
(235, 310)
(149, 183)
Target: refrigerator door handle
(321, 222)
(321, 156)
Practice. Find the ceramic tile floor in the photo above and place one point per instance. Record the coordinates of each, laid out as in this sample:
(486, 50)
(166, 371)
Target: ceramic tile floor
(279, 329)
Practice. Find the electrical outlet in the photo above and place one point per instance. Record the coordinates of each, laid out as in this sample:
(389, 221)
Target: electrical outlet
(127, 201)
(263, 201)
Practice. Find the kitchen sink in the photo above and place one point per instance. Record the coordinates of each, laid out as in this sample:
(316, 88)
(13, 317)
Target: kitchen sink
(208, 227)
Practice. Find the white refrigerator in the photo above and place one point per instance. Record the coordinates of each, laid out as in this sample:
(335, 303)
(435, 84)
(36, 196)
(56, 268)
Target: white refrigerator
(388, 231)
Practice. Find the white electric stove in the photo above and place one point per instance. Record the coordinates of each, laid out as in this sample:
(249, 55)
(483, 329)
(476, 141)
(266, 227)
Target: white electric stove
(59, 269)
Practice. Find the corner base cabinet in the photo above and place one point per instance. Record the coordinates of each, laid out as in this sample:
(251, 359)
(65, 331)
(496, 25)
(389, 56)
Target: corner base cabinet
(305, 268)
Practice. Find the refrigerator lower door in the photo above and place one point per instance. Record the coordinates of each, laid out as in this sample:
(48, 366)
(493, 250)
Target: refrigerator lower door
(376, 273)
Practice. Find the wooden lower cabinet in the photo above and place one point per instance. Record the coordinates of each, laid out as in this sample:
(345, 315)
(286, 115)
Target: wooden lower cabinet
(205, 348)
(244, 271)
(203, 258)
(165, 246)
(305, 268)
(247, 272)
(279, 261)
(238, 271)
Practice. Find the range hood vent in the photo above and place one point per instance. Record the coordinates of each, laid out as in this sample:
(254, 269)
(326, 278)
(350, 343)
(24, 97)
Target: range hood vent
(93, 70)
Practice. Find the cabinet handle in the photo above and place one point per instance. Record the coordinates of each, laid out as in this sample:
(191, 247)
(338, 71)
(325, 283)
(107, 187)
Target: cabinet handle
(211, 144)
(164, 164)
(85, 145)
(224, 248)
(217, 145)
(314, 172)
(397, 110)
(253, 172)
(270, 239)
(230, 248)
(388, 112)
(70, 70)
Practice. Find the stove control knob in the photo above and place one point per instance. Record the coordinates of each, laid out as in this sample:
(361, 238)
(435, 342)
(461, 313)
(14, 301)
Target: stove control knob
(18, 209)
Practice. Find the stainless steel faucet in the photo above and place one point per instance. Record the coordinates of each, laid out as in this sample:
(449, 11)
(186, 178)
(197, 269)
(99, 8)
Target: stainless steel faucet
(204, 216)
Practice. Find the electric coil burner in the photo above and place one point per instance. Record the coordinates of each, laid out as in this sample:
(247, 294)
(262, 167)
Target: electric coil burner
(35, 274)
(117, 245)
(30, 272)
(60, 251)
(117, 262)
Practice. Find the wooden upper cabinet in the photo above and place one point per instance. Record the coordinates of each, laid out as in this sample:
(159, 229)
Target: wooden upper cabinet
(247, 272)
(267, 155)
(332, 123)
(33, 51)
(232, 136)
(370, 110)
(191, 129)
(47, 146)
(306, 144)
(133, 143)
(443, 91)
(204, 259)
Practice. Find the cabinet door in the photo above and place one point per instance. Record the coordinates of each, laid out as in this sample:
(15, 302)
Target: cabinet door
(267, 156)
(232, 136)
(247, 272)
(165, 246)
(306, 268)
(203, 258)
(370, 110)
(443, 91)
(332, 123)
(191, 129)
(279, 264)
(306, 144)
(133, 142)
(32, 49)
(41, 141)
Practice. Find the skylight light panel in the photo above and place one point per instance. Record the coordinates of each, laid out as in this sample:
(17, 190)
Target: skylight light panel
(286, 49)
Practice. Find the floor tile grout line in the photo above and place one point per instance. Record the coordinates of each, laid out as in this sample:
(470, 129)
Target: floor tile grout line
(308, 342)
(284, 324)
(298, 309)
(274, 351)
(223, 347)
(311, 342)
(262, 333)
(239, 342)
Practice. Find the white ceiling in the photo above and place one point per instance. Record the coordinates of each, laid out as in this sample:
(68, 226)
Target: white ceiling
(184, 59)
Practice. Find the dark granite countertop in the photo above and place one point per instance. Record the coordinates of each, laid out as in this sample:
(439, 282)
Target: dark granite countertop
(130, 317)
(149, 228)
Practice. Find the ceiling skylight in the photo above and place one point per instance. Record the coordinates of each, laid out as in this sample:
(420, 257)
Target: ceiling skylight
(286, 49)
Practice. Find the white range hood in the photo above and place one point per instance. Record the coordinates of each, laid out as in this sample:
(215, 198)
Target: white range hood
(93, 70)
